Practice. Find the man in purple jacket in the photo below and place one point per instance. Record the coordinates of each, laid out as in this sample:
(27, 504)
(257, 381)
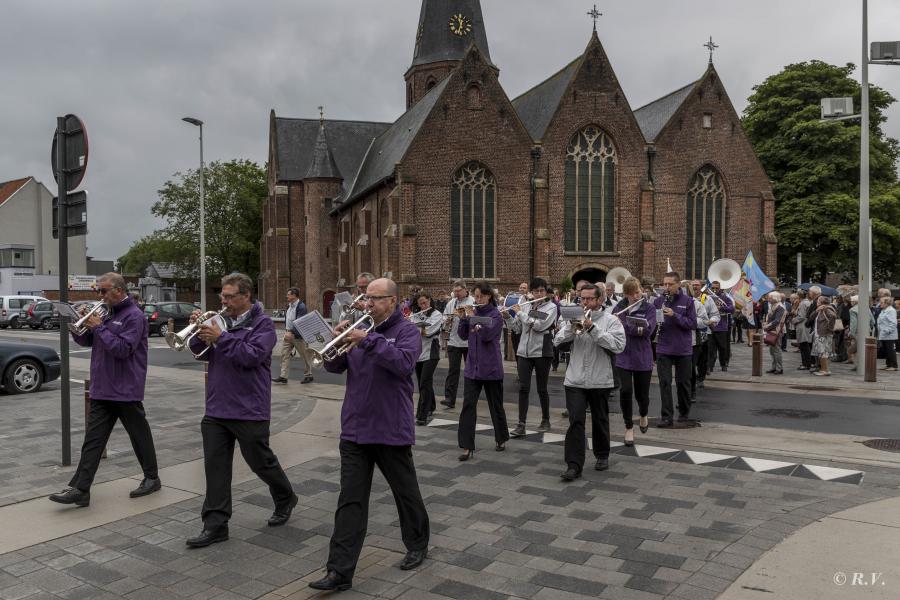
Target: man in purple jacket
(674, 347)
(238, 405)
(377, 429)
(118, 373)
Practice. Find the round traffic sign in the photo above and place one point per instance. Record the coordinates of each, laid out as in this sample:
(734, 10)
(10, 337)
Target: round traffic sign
(76, 148)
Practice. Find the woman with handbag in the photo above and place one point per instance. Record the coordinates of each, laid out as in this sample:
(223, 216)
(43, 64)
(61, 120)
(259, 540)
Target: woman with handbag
(823, 319)
(773, 329)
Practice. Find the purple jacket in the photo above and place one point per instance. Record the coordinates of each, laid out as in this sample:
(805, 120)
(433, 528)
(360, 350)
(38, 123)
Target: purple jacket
(240, 369)
(676, 332)
(483, 360)
(638, 355)
(378, 404)
(119, 359)
(726, 307)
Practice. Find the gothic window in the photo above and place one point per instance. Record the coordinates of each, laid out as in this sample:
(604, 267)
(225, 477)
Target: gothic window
(590, 192)
(473, 97)
(473, 199)
(705, 221)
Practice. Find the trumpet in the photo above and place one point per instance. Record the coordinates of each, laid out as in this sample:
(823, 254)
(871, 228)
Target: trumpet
(99, 309)
(182, 339)
(578, 324)
(348, 307)
(339, 345)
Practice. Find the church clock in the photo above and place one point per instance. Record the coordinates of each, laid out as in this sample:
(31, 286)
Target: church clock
(460, 24)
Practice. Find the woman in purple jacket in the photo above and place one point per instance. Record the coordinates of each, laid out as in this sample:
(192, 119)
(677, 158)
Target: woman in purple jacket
(635, 363)
(484, 369)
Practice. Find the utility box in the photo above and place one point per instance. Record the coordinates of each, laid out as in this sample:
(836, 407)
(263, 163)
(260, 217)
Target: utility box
(836, 107)
(885, 51)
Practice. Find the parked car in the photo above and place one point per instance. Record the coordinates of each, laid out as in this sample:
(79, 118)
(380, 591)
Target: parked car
(158, 315)
(11, 308)
(26, 367)
(42, 315)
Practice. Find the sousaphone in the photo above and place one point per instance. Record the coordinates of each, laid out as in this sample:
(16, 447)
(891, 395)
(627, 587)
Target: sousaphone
(617, 277)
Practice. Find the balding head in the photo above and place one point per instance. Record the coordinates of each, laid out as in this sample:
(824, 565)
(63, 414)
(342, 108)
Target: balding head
(382, 294)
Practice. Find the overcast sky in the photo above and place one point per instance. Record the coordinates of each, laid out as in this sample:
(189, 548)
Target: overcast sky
(132, 69)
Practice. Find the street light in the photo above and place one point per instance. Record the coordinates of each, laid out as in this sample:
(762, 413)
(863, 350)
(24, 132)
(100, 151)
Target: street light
(199, 123)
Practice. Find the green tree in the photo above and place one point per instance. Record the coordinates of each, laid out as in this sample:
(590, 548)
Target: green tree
(150, 248)
(814, 166)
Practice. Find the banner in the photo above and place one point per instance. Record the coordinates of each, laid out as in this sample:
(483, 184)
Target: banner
(760, 285)
(82, 283)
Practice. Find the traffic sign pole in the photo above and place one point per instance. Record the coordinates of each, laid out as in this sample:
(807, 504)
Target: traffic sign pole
(62, 218)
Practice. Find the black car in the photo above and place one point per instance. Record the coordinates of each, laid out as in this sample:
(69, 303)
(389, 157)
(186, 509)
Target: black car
(26, 367)
(41, 315)
(158, 316)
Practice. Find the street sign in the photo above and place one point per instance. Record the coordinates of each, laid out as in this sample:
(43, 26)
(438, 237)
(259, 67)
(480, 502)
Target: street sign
(76, 151)
(76, 214)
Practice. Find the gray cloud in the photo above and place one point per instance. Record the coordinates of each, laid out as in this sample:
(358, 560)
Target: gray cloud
(131, 70)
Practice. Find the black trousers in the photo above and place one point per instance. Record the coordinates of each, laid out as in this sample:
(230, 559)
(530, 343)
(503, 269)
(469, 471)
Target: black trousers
(101, 420)
(219, 436)
(696, 364)
(425, 376)
(577, 401)
(719, 347)
(702, 360)
(806, 354)
(351, 519)
(515, 343)
(637, 383)
(541, 367)
(682, 364)
(890, 353)
(456, 357)
(493, 391)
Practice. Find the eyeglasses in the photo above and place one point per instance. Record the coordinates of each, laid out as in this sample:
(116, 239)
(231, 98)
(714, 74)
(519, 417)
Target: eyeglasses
(102, 291)
(374, 298)
(230, 296)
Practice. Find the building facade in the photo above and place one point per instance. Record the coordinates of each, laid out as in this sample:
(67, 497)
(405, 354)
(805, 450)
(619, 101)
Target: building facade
(566, 181)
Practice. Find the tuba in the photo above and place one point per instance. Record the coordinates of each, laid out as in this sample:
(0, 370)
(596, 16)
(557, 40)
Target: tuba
(617, 277)
(98, 308)
(182, 339)
(727, 272)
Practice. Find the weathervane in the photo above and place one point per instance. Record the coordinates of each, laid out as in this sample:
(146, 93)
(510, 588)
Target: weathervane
(711, 46)
(595, 14)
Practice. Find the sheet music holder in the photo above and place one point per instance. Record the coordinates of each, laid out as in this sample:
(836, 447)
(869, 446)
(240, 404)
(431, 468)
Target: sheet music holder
(637, 321)
(314, 330)
(538, 315)
(511, 300)
(483, 321)
(343, 298)
(571, 313)
(66, 310)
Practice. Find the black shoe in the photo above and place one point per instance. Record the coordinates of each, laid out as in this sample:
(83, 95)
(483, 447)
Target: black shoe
(701, 384)
(72, 496)
(500, 447)
(208, 536)
(307, 379)
(564, 414)
(466, 455)
(724, 368)
(519, 431)
(447, 403)
(771, 371)
(281, 515)
(279, 380)
(571, 474)
(602, 464)
(332, 582)
(544, 426)
(421, 422)
(148, 486)
(664, 423)
(683, 418)
(644, 428)
(413, 559)
(779, 372)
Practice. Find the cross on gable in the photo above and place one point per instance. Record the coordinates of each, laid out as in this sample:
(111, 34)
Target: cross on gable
(594, 14)
(711, 46)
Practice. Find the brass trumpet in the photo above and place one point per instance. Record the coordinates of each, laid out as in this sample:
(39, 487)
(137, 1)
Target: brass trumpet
(182, 339)
(98, 308)
(578, 325)
(339, 345)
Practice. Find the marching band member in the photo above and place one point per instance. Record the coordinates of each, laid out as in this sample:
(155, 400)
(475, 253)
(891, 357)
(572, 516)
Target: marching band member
(635, 363)
(355, 311)
(457, 348)
(674, 348)
(484, 370)
(720, 340)
(238, 407)
(535, 352)
(377, 429)
(698, 339)
(590, 379)
(118, 374)
(430, 322)
(701, 350)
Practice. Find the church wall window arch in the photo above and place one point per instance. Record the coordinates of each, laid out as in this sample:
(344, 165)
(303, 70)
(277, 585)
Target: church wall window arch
(473, 202)
(706, 218)
(590, 192)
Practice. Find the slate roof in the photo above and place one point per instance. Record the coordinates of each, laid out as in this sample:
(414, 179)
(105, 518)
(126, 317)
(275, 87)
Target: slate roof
(434, 40)
(161, 270)
(322, 164)
(653, 117)
(389, 148)
(296, 144)
(537, 106)
(8, 188)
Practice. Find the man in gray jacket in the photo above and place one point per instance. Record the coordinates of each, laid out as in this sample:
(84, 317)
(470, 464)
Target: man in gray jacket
(457, 348)
(804, 337)
(589, 379)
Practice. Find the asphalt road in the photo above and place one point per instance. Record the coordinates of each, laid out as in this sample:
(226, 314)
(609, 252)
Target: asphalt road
(846, 414)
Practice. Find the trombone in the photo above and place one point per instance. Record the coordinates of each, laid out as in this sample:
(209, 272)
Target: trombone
(99, 309)
(182, 339)
(339, 346)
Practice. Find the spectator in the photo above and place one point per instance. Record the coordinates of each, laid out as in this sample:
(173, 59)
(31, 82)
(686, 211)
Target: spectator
(774, 323)
(887, 333)
(822, 321)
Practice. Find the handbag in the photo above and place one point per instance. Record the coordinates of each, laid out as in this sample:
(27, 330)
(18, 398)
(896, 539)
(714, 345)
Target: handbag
(771, 337)
(838, 325)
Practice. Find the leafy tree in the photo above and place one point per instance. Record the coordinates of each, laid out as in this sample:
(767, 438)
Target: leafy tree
(814, 166)
(150, 248)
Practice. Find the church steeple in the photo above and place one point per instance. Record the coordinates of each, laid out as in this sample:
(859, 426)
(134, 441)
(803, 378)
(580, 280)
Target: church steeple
(322, 165)
(446, 30)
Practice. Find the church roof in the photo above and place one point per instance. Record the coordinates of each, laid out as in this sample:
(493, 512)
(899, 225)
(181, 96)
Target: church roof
(389, 148)
(537, 106)
(296, 145)
(322, 164)
(434, 39)
(653, 117)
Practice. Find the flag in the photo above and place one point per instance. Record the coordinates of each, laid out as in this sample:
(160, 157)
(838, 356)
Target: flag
(742, 295)
(760, 285)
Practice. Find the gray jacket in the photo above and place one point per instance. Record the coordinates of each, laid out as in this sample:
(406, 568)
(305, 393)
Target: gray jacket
(431, 334)
(802, 331)
(590, 366)
(450, 313)
(536, 336)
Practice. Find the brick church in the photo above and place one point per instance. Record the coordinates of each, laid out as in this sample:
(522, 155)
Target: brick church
(565, 181)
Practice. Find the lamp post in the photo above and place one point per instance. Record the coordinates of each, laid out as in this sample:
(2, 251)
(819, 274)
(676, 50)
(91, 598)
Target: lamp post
(199, 123)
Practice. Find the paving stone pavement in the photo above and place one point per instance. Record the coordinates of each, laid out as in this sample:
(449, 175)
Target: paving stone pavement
(503, 526)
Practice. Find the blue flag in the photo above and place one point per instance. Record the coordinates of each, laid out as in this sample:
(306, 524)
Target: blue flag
(760, 285)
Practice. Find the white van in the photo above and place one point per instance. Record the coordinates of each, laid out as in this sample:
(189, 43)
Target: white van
(11, 308)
